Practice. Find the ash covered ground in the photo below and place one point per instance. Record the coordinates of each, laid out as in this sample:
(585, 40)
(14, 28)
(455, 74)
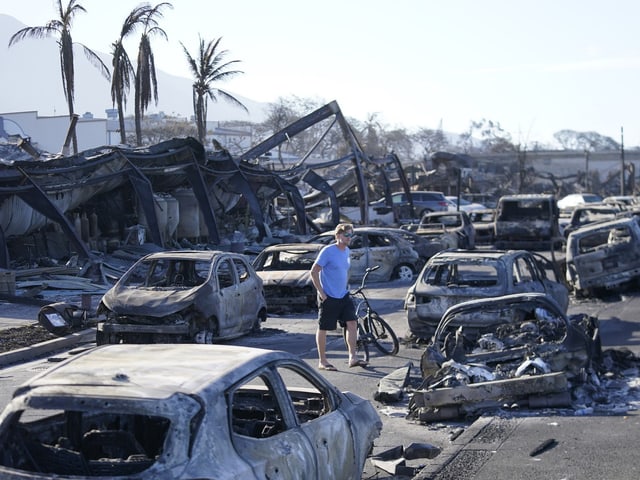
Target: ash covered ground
(20, 337)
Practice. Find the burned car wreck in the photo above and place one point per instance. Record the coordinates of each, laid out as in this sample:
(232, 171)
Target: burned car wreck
(527, 221)
(516, 349)
(183, 296)
(604, 255)
(285, 270)
(184, 412)
(455, 276)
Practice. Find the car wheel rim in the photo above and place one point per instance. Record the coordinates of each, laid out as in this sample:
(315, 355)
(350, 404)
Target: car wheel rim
(405, 273)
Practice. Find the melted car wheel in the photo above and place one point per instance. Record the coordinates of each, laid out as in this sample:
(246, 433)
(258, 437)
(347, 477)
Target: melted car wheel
(404, 272)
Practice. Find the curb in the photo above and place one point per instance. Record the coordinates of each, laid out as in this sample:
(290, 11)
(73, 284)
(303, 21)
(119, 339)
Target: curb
(41, 349)
(456, 446)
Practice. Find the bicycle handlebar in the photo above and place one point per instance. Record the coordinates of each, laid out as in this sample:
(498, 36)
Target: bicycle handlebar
(367, 271)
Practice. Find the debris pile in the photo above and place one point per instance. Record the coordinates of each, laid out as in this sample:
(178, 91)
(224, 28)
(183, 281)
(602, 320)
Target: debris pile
(516, 351)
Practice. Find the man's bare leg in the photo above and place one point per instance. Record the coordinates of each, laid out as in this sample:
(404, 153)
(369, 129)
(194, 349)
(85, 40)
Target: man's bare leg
(352, 337)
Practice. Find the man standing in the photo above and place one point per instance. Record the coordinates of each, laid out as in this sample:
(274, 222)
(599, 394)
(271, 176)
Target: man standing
(330, 276)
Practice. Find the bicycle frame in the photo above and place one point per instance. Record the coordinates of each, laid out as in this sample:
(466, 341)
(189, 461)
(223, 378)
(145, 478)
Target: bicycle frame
(371, 328)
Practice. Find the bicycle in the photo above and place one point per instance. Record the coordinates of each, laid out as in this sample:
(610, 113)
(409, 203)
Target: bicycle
(372, 329)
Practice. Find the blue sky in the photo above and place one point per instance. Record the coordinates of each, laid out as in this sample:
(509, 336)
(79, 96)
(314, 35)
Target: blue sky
(534, 66)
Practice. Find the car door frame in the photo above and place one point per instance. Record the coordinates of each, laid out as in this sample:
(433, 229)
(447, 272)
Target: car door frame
(230, 296)
(326, 432)
(556, 287)
(248, 290)
(292, 454)
(385, 256)
(358, 257)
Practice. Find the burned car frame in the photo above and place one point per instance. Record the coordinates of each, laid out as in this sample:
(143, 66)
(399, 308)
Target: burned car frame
(184, 412)
(527, 221)
(372, 246)
(604, 255)
(183, 296)
(455, 276)
(588, 214)
(451, 222)
(285, 270)
(515, 348)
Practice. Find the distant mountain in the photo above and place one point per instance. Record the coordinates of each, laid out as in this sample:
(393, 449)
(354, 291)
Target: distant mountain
(31, 80)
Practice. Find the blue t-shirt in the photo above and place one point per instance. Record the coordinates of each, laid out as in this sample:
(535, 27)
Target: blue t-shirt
(334, 276)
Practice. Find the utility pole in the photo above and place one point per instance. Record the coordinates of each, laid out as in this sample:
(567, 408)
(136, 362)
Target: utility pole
(586, 174)
(622, 161)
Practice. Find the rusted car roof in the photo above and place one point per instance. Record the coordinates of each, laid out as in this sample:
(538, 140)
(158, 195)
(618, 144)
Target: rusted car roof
(154, 370)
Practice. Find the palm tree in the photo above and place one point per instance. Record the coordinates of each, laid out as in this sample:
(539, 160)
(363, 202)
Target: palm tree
(123, 71)
(61, 27)
(209, 67)
(146, 86)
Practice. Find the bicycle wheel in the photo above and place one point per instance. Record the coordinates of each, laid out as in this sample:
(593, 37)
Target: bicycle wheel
(383, 336)
(362, 345)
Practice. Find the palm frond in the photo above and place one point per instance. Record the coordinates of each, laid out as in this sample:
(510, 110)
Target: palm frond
(96, 61)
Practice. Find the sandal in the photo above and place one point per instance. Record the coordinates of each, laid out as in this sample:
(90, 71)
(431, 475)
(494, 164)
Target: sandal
(358, 363)
(328, 367)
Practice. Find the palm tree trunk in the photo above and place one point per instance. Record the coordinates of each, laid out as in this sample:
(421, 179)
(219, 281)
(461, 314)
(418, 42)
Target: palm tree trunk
(123, 133)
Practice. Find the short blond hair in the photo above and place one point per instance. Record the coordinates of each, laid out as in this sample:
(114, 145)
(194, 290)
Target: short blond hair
(343, 227)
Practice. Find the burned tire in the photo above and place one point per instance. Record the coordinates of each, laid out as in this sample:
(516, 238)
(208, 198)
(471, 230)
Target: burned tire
(404, 272)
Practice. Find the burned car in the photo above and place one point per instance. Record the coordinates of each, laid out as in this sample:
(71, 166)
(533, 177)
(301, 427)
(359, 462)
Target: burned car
(285, 270)
(425, 247)
(183, 296)
(458, 223)
(484, 224)
(371, 246)
(603, 255)
(456, 276)
(527, 221)
(515, 349)
(184, 412)
(590, 213)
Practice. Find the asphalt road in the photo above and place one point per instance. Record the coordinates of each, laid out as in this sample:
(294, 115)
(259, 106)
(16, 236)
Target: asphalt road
(493, 447)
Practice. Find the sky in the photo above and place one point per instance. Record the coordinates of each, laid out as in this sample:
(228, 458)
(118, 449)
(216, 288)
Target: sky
(534, 66)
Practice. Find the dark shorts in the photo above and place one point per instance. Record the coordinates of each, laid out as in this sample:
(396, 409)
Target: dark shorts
(334, 310)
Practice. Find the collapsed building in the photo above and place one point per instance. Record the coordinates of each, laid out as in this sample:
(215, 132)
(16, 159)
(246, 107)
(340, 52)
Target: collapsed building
(60, 206)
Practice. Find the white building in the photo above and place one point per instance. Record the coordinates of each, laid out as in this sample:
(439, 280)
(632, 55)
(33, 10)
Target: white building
(49, 133)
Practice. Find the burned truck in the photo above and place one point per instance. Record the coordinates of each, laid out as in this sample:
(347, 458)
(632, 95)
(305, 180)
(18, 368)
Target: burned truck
(528, 221)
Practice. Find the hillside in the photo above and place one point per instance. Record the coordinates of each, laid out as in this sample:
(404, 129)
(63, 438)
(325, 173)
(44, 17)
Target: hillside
(32, 81)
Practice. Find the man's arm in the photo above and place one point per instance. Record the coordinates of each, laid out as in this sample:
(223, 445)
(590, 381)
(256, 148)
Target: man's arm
(315, 278)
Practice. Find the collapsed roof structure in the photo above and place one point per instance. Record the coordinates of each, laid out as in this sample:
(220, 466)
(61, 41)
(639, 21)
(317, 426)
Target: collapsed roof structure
(72, 200)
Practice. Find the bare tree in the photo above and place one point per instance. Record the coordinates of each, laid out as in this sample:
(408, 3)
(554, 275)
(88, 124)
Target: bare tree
(587, 141)
(430, 140)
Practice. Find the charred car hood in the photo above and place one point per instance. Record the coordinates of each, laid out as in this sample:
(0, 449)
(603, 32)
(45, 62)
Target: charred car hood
(149, 302)
(290, 278)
